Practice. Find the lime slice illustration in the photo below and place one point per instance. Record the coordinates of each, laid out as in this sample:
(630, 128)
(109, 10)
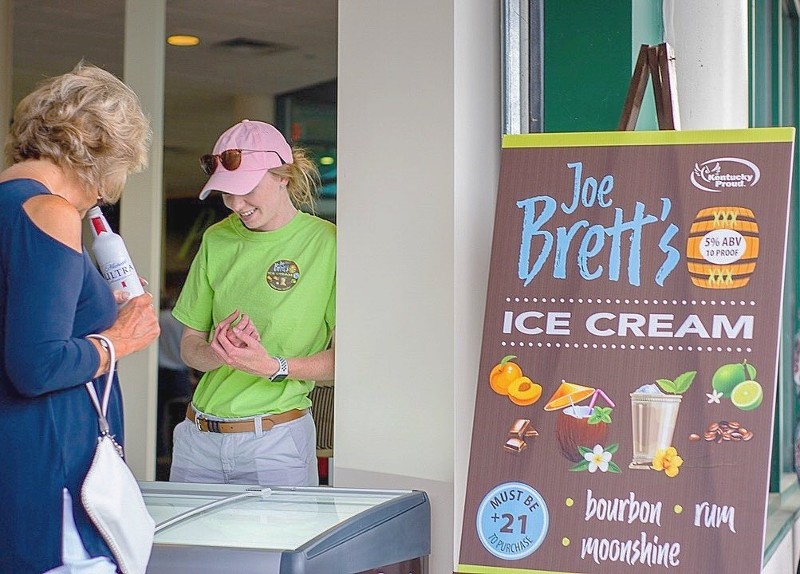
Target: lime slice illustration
(747, 395)
(730, 375)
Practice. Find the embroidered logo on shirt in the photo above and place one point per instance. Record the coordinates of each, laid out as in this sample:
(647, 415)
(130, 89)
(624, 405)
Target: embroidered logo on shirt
(282, 275)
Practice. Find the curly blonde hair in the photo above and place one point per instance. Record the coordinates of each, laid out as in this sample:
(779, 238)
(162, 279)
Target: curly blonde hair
(304, 179)
(87, 122)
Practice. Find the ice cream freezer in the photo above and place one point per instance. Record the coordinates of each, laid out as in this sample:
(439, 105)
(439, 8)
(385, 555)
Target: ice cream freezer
(204, 528)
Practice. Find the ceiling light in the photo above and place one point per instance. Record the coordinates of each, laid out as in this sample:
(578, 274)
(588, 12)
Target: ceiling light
(326, 160)
(183, 40)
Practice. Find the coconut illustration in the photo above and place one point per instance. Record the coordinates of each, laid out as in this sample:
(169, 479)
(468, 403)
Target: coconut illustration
(573, 429)
(577, 425)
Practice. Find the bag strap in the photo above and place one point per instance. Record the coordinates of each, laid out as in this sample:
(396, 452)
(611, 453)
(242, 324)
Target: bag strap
(102, 410)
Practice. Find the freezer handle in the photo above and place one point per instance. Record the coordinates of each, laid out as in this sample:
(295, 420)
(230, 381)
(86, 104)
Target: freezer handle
(200, 509)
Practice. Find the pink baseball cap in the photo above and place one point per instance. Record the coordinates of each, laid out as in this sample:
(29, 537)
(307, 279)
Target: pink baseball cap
(263, 148)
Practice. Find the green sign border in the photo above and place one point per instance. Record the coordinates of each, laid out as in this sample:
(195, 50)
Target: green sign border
(664, 137)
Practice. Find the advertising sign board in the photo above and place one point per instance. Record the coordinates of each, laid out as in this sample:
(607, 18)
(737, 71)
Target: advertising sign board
(627, 381)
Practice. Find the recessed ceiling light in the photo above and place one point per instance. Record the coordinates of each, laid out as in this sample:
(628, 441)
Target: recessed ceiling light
(183, 40)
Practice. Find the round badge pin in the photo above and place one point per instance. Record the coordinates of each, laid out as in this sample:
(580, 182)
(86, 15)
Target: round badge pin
(512, 521)
(283, 275)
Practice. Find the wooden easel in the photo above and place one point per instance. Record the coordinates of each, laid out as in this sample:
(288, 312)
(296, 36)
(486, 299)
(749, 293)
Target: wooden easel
(656, 62)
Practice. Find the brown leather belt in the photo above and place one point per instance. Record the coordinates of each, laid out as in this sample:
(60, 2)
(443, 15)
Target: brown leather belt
(247, 425)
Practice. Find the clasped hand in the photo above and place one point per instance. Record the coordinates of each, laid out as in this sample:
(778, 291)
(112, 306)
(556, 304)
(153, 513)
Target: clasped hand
(237, 343)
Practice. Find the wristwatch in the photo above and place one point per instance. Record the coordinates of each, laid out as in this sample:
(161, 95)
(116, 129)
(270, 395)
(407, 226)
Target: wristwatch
(282, 372)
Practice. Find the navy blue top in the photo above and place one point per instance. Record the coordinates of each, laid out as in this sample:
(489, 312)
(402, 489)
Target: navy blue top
(51, 297)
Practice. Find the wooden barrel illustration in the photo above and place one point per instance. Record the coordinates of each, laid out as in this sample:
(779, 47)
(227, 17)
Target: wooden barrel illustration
(722, 248)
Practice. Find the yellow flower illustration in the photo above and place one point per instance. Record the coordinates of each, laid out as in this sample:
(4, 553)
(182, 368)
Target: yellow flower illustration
(668, 460)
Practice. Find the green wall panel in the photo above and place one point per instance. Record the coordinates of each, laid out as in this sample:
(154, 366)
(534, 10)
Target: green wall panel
(587, 63)
(647, 28)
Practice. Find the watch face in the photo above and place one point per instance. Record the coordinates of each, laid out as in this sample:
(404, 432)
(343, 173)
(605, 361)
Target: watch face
(278, 378)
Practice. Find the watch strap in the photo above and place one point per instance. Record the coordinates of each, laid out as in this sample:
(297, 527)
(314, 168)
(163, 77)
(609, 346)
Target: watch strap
(283, 370)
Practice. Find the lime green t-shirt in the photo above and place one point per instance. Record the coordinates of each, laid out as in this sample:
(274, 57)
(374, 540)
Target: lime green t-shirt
(285, 281)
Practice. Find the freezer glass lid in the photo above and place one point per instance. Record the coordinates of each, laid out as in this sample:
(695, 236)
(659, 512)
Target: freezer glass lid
(268, 519)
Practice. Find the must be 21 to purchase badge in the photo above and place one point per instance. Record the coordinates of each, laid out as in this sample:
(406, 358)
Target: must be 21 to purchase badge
(512, 521)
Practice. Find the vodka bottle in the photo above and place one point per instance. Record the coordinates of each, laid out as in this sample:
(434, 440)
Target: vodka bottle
(112, 257)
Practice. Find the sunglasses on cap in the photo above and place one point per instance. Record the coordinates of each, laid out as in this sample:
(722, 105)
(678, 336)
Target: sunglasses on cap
(230, 159)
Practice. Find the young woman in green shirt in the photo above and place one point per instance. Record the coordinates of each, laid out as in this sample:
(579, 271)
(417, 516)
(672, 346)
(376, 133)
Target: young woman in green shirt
(259, 310)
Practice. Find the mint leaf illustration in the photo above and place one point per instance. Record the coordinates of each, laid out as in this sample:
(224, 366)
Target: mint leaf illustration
(680, 385)
(684, 381)
(666, 385)
(600, 415)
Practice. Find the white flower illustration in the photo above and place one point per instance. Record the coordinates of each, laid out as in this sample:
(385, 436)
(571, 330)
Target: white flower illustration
(598, 458)
(714, 396)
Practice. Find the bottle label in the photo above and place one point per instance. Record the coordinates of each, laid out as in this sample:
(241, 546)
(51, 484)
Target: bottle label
(119, 275)
(98, 226)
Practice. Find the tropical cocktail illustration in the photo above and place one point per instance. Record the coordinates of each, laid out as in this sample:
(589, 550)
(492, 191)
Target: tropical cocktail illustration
(578, 425)
(573, 430)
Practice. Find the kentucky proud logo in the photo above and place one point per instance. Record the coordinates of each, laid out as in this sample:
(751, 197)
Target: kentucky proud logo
(724, 173)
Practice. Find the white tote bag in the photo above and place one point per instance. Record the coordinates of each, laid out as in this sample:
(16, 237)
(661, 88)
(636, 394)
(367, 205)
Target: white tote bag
(110, 493)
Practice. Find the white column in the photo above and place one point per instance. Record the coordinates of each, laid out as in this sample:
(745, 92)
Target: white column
(6, 61)
(418, 147)
(476, 167)
(710, 42)
(140, 222)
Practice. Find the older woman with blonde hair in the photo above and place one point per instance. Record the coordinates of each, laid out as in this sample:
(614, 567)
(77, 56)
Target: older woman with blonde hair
(72, 143)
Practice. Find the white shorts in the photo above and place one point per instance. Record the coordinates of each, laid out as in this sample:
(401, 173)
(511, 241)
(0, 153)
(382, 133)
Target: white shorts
(285, 455)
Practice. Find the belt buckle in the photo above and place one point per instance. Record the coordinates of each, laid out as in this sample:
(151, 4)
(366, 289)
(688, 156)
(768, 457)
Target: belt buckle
(198, 419)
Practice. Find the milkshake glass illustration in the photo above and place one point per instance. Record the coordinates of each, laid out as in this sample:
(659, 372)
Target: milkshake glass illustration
(653, 414)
